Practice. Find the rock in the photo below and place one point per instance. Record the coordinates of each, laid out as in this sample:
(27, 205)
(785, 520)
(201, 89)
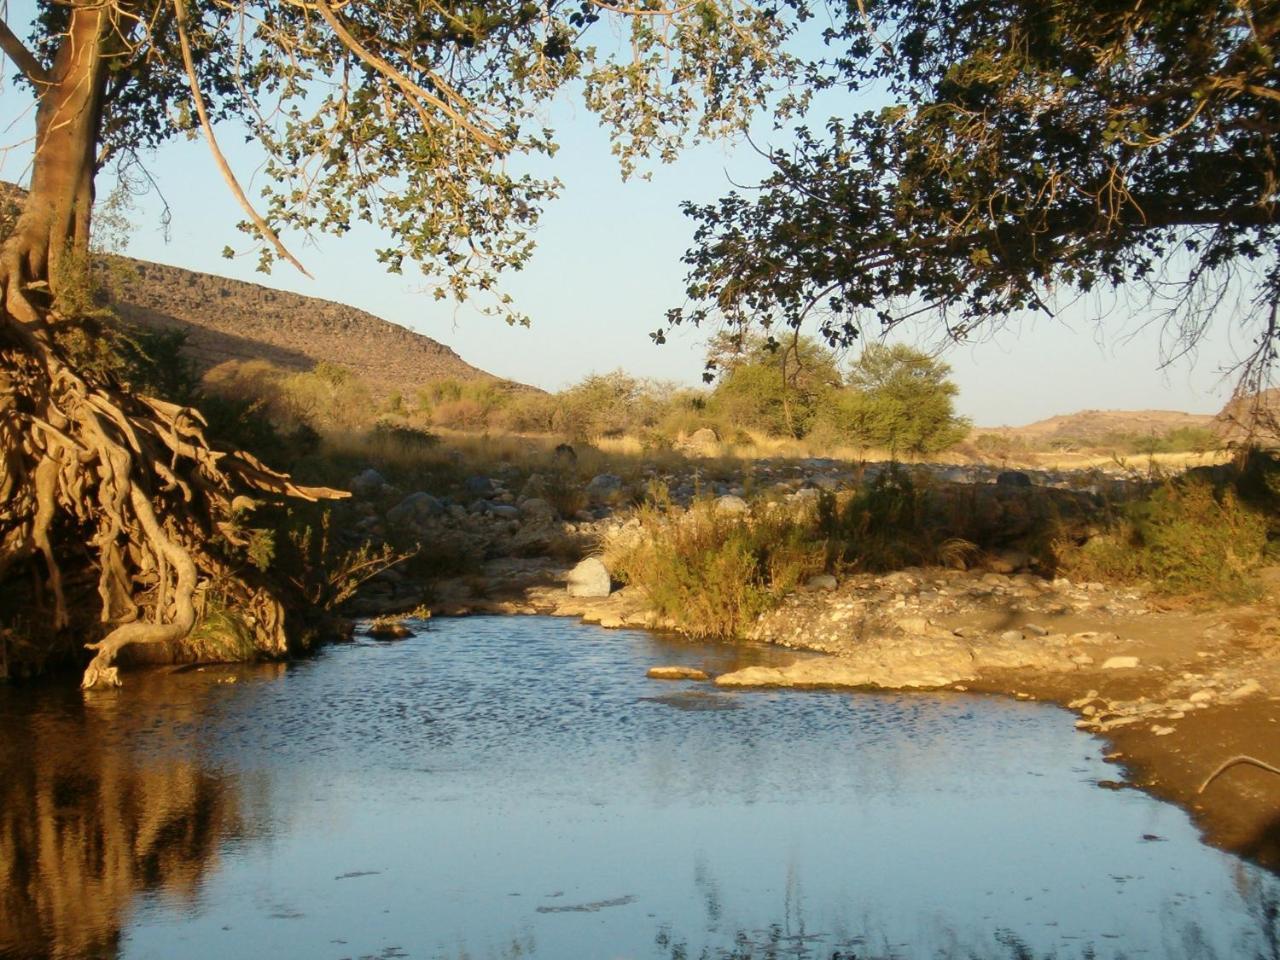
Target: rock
(604, 488)
(480, 486)
(1013, 478)
(701, 443)
(536, 508)
(731, 504)
(937, 660)
(676, 673)
(504, 510)
(1160, 731)
(414, 508)
(388, 630)
(368, 483)
(822, 581)
(1203, 696)
(1035, 630)
(590, 578)
(1012, 636)
(1246, 689)
(1009, 561)
(1119, 663)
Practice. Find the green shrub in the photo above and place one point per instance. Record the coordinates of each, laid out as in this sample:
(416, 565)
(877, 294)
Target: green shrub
(713, 573)
(1185, 538)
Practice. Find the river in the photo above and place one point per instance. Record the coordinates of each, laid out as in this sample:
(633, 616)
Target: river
(515, 787)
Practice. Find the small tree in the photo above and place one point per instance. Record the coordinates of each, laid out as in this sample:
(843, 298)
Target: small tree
(900, 399)
(770, 386)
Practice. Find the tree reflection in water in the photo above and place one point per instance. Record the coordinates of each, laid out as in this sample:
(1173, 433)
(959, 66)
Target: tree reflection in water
(87, 823)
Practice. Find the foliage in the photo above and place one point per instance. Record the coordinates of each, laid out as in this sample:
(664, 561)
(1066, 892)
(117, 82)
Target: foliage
(1026, 152)
(713, 573)
(1185, 538)
(777, 388)
(899, 399)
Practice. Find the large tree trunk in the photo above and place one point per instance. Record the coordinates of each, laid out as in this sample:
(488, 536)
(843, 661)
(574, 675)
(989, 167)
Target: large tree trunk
(88, 469)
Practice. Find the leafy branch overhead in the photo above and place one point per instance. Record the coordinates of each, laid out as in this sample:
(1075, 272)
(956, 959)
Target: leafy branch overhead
(1022, 152)
(412, 115)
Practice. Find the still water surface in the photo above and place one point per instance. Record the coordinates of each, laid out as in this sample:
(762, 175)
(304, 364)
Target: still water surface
(515, 787)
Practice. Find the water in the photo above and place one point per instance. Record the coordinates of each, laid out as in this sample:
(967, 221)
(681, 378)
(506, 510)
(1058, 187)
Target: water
(515, 787)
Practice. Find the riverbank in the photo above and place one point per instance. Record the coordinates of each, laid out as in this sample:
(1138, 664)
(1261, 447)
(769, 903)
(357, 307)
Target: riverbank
(1176, 691)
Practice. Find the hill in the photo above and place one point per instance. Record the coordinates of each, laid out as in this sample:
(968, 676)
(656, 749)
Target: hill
(228, 319)
(1090, 427)
(1255, 418)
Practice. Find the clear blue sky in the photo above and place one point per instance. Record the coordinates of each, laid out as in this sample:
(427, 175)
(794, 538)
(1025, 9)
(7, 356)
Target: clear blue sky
(607, 268)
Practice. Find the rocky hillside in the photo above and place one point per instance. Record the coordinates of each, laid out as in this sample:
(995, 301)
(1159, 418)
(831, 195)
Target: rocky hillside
(1092, 426)
(1256, 418)
(233, 320)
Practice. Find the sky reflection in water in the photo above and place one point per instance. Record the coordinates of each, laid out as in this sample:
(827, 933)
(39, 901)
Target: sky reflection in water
(515, 787)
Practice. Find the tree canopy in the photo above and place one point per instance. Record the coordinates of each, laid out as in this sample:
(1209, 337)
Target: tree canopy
(1025, 152)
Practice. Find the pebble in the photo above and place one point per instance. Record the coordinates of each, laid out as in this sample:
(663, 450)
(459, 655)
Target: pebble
(1160, 731)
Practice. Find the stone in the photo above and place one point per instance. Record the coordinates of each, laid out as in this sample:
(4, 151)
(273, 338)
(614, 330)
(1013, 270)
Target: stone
(1119, 663)
(1012, 636)
(822, 581)
(1246, 689)
(367, 483)
(504, 510)
(388, 630)
(604, 488)
(1203, 696)
(480, 486)
(1160, 731)
(1013, 478)
(415, 508)
(703, 442)
(590, 578)
(731, 504)
(1009, 561)
(535, 508)
(676, 673)
(1035, 630)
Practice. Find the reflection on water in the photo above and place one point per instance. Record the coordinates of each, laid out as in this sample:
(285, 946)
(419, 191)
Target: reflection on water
(503, 788)
(88, 822)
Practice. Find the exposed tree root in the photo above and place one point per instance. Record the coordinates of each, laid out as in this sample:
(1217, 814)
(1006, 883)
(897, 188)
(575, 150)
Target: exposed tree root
(133, 478)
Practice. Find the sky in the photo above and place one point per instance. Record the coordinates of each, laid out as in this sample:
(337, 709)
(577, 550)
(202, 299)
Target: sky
(608, 267)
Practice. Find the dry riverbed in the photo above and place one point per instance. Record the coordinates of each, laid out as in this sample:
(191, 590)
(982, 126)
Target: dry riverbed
(1174, 690)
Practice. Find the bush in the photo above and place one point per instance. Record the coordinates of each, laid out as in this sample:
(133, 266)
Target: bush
(1185, 538)
(713, 573)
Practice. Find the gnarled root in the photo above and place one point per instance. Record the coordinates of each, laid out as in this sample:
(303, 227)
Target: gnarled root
(133, 479)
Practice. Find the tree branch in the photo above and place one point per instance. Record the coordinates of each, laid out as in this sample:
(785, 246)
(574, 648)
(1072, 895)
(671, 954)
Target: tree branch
(264, 228)
(23, 58)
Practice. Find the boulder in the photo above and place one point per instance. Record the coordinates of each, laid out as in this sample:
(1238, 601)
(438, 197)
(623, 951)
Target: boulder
(535, 508)
(590, 578)
(388, 630)
(604, 488)
(1013, 478)
(824, 582)
(414, 508)
(731, 504)
(480, 486)
(367, 483)
(704, 442)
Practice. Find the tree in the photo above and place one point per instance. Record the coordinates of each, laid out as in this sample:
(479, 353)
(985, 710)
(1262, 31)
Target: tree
(771, 386)
(407, 115)
(900, 399)
(1028, 151)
